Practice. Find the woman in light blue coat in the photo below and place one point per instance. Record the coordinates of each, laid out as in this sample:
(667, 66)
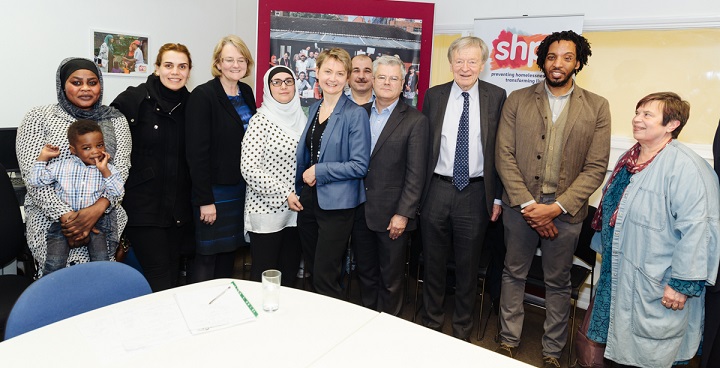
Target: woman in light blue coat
(659, 224)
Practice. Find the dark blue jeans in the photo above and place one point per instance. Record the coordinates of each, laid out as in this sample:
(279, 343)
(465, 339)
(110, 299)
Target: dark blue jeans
(58, 248)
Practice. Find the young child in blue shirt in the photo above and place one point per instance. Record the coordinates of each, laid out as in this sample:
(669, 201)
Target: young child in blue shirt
(79, 180)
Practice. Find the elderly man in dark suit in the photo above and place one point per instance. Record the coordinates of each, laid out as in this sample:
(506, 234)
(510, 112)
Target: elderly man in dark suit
(462, 190)
(393, 185)
(552, 153)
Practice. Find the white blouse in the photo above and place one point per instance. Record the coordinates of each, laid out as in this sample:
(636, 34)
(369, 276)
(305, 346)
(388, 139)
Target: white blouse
(268, 165)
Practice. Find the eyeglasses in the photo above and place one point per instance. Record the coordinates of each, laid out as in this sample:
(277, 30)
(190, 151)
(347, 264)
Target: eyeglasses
(231, 61)
(382, 78)
(470, 63)
(288, 82)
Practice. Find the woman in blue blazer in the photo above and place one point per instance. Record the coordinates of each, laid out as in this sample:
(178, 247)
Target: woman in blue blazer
(332, 159)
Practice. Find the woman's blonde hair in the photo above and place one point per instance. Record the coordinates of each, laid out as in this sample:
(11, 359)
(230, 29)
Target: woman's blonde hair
(338, 54)
(240, 46)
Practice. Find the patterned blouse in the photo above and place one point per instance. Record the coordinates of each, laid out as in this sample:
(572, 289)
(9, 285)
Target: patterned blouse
(48, 124)
(268, 165)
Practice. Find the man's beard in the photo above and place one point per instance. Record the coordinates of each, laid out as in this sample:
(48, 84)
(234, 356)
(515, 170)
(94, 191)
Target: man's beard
(561, 83)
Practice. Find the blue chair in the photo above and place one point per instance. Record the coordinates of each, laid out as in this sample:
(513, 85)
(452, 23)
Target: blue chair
(72, 291)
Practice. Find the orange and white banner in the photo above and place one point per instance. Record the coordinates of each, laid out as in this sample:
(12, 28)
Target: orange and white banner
(513, 42)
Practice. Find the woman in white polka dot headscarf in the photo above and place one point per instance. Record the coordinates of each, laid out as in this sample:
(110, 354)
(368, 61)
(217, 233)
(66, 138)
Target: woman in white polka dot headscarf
(79, 93)
(268, 165)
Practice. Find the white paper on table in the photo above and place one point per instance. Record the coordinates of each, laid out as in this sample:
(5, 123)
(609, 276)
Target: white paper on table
(159, 322)
(126, 331)
(229, 307)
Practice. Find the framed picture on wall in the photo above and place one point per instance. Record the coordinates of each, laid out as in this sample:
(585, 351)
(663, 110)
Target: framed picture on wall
(122, 54)
(291, 32)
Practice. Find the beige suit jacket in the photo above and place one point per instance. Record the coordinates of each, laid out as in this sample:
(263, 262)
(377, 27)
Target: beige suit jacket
(521, 145)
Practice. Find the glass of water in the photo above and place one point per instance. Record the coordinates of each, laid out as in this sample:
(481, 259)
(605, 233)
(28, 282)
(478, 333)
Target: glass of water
(271, 290)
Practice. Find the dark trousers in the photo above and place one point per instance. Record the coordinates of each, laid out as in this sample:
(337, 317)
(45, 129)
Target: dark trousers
(452, 222)
(158, 251)
(380, 265)
(279, 250)
(711, 337)
(324, 235)
(215, 266)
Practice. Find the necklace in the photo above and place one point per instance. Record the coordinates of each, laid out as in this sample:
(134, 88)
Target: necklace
(316, 158)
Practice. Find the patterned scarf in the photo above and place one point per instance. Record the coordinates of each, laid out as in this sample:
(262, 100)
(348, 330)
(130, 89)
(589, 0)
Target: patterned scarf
(628, 161)
(100, 113)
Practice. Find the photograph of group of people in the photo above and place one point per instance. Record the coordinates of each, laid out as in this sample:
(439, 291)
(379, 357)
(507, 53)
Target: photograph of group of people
(296, 40)
(305, 68)
(338, 153)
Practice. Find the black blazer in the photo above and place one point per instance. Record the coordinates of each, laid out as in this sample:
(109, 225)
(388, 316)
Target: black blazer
(491, 99)
(398, 165)
(157, 192)
(716, 159)
(214, 133)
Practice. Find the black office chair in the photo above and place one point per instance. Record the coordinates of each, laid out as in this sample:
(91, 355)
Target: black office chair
(483, 267)
(535, 283)
(490, 271)
(13, 248)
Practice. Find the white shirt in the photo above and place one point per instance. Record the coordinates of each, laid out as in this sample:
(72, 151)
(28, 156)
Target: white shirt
(451, 123)
(301, 66)
(138, 55)
(557, 103)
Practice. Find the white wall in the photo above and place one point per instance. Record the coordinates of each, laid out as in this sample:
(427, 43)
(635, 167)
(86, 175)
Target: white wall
(459, 14)
(38, 34)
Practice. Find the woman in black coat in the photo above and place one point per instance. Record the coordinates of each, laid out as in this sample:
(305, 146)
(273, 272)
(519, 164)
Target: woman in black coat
(217, 116)
(157, 192)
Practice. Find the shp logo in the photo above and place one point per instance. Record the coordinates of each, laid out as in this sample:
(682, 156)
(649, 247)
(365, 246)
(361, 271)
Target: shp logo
(512, 51)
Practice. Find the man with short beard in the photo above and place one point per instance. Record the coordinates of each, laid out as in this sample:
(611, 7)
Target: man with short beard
(553, 144)
(361, 80)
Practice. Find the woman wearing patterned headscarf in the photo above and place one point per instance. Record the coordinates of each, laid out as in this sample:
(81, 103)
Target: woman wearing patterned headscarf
(79, 94)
